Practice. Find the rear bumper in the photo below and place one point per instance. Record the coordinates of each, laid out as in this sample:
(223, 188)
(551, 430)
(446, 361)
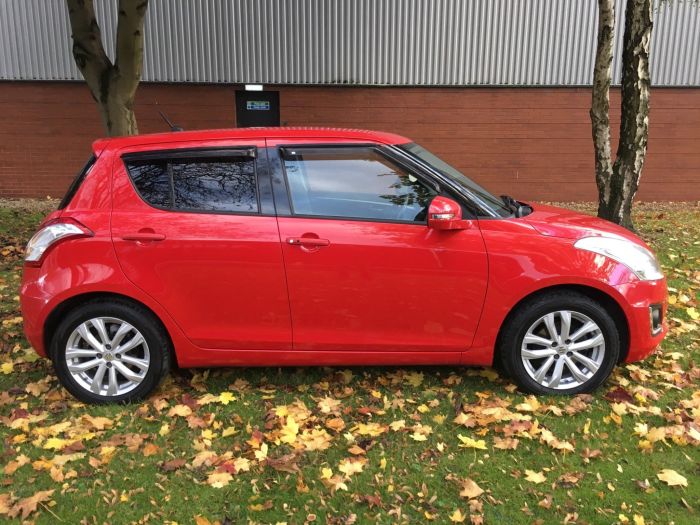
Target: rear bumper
(33, 303)
(639, 297)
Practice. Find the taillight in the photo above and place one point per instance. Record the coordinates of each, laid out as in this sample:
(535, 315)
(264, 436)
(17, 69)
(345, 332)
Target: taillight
(49, 235)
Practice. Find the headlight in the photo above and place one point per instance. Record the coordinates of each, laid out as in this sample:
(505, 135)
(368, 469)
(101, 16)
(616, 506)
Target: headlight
(49, 235)
(637, 258)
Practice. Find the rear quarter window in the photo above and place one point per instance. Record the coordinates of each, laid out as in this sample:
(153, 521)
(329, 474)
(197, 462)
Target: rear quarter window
(77, 182)
(152, 181)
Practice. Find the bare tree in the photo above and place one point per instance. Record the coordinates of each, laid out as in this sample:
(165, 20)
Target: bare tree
(113, 85)
(618, 181)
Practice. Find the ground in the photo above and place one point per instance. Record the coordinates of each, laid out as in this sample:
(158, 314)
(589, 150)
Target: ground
(361, 445)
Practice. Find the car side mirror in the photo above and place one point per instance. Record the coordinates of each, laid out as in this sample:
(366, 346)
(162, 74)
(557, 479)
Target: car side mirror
(446, 214)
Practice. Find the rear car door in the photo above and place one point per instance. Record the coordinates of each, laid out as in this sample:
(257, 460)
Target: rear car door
(195, 228)
(364, 271)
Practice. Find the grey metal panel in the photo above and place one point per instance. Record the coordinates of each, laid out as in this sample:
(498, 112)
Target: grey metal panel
(356, 42)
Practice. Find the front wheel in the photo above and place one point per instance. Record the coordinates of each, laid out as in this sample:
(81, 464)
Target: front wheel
(560, 343)
(110, 352)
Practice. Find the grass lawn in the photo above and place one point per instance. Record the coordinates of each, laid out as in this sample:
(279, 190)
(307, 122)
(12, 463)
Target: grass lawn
(360, 445)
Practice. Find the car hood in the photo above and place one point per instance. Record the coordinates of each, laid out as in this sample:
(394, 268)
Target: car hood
(568, 224)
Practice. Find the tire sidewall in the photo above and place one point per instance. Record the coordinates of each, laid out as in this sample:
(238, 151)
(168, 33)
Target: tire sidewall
(127, 313)
(574, 303)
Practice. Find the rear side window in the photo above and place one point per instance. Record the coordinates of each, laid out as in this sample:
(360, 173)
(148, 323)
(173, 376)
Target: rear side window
(79, 178)
(217, 184)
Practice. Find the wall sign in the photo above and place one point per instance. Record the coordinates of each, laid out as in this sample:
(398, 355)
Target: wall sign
(258, 105)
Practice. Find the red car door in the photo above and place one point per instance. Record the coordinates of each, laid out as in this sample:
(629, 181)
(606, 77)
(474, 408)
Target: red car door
(195, 229)
(364, 271)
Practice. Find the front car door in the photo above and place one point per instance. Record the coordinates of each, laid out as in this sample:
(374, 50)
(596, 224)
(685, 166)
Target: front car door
(195, 228)
(364, 272)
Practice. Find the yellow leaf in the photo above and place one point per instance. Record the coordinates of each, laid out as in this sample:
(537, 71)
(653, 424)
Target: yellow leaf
(352, 466)
(468, 442)
(638, 520)
(418, 437)
(414, 378)
(262, 453)
(180, 410)
(397, 425)
(535, 477)
(457, 516)
(219, 479)
(241, 464)
(693, 313)
(328, 405)
(7, 368)
(164, 430)
(229, 431)
(226, 397)
(289, 431)
(55, 443)
(369, 429)
(672, 478)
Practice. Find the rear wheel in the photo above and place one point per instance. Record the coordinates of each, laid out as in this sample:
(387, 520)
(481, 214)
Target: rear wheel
(560, 343)
(110, 352)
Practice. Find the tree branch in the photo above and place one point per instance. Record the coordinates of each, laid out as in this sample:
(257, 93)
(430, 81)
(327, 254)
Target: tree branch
(129, 56)
(88, 52)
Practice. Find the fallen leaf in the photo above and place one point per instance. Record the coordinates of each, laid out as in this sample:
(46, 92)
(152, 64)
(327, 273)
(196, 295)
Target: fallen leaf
(672, 478)
(470, 489)
(535, 477)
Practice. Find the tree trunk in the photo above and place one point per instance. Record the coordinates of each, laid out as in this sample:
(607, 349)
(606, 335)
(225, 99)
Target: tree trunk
(113, 85)
(600, 104)
(618, 188)
(118, 116)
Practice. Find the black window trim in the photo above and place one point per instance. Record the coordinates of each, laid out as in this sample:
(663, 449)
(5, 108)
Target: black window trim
(77, 182)
(403, 161)
(479, 209)
(193, 154)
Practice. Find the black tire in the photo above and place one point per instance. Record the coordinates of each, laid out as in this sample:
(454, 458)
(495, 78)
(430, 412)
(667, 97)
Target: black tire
(518, 324)
(140, 318)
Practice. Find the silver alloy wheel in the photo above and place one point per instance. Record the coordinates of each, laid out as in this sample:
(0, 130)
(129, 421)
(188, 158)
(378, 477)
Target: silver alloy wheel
(563, 349)
(107, 356)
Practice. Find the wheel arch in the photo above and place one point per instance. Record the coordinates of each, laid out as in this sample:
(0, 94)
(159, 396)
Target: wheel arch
(609, 303)
(61, 309)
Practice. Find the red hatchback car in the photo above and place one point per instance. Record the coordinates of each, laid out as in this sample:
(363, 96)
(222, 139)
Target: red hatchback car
(256, 247)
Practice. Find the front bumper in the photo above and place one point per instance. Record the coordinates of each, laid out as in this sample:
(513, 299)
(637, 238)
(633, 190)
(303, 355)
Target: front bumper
(639, 297)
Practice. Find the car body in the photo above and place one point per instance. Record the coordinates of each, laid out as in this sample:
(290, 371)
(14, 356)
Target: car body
(310, 246)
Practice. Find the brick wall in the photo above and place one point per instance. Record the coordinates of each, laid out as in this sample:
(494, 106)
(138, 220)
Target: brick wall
(534, 143)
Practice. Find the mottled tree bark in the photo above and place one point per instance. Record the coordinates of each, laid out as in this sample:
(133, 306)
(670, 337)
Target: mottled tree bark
(113, 85)
(600, 105)
(617, 185)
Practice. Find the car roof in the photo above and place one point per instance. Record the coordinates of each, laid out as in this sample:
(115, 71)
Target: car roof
(251, 133)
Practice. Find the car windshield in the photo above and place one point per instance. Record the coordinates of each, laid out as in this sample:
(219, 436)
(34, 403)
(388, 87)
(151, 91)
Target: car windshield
(494, 203)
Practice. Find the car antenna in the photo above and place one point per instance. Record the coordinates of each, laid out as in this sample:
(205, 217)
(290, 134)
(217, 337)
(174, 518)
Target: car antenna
(172, 126)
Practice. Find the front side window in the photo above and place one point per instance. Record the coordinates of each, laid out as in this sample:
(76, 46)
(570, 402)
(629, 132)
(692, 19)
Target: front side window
(354, 183)
(197, 184)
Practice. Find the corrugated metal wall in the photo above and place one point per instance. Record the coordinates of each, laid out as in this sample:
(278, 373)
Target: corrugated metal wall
(356, 42)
